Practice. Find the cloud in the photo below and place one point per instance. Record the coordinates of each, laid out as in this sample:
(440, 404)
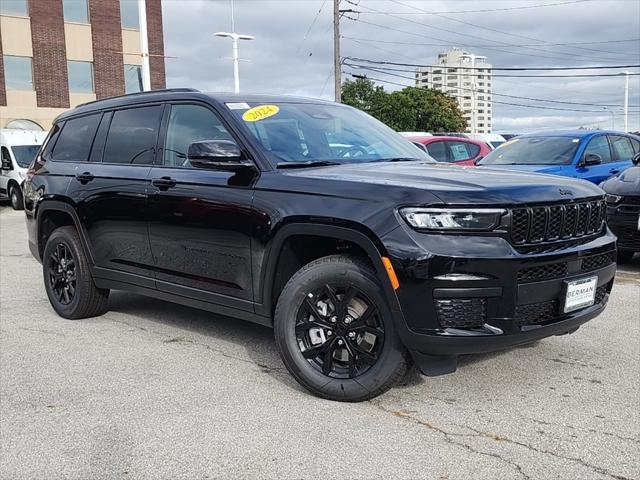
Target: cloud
(281, 60)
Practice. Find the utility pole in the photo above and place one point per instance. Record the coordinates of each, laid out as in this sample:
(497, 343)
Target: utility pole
(626, 102)
(337, 67)
(144, 45)
(236, 59)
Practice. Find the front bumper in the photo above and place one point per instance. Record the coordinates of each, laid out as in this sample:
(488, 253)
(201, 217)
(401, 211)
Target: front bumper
(469, 294)
(624, 224)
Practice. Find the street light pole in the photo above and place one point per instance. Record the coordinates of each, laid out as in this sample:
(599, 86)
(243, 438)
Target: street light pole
(337, 67)
(626, 102)
(236, 59)
(144, 45)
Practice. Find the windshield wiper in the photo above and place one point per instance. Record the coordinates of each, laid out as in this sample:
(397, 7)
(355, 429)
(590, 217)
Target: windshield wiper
(310, 163)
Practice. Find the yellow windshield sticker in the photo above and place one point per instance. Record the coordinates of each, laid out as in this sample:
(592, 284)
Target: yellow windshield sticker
(256, 114)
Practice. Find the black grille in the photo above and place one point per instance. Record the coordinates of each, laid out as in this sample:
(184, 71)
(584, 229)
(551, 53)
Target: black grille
(628, 237)
(598, 261)
(461, 312)
(550, 223)
(541, 272)
(544, 312)
(535, 313)
(631, 200)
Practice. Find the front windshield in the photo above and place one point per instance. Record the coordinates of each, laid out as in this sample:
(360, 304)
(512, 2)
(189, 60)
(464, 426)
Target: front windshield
(534, 151)
(24, 154)
(306, 133)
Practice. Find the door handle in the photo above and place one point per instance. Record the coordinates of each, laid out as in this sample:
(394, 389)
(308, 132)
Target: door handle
(85, 177)
(163, 183)
(614, 170)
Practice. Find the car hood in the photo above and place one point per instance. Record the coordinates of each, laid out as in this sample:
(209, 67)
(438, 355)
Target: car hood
(625, 183)
(457, 185)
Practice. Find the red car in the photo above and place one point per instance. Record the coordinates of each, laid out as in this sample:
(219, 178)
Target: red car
(458, 150)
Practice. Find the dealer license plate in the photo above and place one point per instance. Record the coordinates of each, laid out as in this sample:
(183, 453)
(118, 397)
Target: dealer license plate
(580, 294)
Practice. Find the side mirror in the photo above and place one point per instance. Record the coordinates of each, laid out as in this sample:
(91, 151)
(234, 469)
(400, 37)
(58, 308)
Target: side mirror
(6, 164)
(217, 155)
(636, 159)
(591, 159)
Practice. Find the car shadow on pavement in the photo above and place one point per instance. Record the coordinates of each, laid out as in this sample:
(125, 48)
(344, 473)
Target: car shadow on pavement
(256, 341)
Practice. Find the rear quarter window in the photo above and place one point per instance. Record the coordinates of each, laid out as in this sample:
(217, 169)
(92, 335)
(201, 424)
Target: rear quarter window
(75, 140)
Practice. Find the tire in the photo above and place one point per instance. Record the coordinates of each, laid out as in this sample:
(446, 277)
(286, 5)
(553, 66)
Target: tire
(15, 197)
(369, 362)
(625, 256)
(81, 298)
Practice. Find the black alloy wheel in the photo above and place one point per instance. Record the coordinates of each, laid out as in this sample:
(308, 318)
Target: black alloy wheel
(339, 331)
(62, 273)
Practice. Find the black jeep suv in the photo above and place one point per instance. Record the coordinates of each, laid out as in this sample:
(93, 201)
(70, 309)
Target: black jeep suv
(312, 217)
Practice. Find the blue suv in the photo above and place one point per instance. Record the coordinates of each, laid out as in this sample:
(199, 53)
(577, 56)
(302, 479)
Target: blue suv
(589, 155)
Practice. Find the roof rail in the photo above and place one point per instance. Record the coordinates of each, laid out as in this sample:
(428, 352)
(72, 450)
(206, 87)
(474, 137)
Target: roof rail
(164, 90)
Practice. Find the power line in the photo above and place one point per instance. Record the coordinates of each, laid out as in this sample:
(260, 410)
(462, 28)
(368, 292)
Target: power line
(313, 22)
(494, 101)
(371, 40)
(496, 49)
(592, 67)
(498, 43)
(502, 9)
(373, 69)
(500, 31)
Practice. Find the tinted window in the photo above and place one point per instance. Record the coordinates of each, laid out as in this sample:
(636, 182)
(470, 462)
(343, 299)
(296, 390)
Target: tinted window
(24, 154)
(636, 145)
(129, 14)
(18, 73)
(188, 124)
(622, 148)
(534, 151)
(76, 11)
(132, 78)
(600, 146)
(6, 158)
(132, 136)
(438, 151)
(474, 150)
(458, 151)
(74, 142)
(80, 76)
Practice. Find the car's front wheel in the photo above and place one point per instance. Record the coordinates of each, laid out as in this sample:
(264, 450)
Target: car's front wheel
(67, 278)
(334, 331)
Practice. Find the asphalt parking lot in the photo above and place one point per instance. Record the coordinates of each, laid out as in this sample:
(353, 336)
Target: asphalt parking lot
(155, 390)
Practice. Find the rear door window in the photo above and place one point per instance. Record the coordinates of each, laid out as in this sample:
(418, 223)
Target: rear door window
(458, 151)
(473, 149)
(75, 140)
(438, 150)
(600, 146)
(622, 148)
(132, 136)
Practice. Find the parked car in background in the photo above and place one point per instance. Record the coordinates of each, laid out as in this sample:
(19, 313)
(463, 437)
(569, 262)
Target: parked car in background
(589, 155)
(461, 151)
(492, 139)
(623, 209)
(17, 149)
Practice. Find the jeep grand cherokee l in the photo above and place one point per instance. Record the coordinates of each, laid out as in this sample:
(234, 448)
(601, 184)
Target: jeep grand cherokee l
(314, 218)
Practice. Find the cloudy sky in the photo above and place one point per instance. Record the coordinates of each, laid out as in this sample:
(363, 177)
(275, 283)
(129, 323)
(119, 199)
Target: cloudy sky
(293, 50)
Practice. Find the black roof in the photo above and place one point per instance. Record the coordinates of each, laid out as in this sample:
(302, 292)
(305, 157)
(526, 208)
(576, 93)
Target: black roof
(181, 93)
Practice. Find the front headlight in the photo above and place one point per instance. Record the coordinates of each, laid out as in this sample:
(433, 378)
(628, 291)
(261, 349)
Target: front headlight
(448, 219)
(613, 199)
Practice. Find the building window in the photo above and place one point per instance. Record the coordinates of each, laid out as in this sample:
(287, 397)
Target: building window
(129, 14)
(80, 76)
(18, 73)
(14, 7)
(132, 78)
(76, 11)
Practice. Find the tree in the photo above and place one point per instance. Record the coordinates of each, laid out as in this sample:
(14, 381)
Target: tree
(409, 109)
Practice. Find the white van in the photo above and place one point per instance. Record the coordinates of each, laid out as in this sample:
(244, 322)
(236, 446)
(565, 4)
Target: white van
(492, 139)
(17, 149)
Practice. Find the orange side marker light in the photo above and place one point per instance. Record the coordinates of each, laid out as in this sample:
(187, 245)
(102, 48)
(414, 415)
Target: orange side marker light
(391, 273)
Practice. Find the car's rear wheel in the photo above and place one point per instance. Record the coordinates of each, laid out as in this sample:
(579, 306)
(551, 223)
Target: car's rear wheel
(15, 197)
(67, 278)
(335, 333)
